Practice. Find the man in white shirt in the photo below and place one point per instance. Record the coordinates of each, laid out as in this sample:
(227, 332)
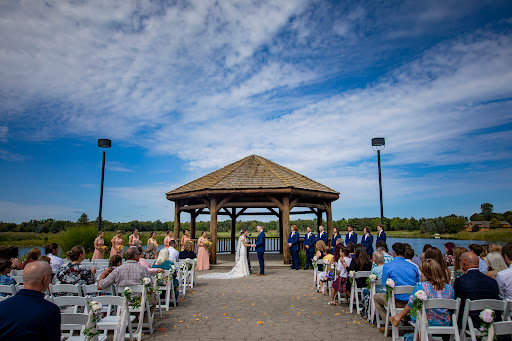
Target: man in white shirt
(173, 253)
(504, 277)
(52, 250)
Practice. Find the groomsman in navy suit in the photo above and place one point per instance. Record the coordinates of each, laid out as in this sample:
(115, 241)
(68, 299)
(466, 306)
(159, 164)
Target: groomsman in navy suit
(335, 236)
(260, 249)
(309, 245)
(322, 235)
(293, 244)
(367, 241)
(382, 234)
(351, 236)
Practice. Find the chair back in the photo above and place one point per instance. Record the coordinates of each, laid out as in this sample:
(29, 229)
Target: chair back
(442, 303)
(362, 274)
(114, 304)
(9, 290)
(478, 305)
(70, 322)
(18, 279)
(502, 328)
(17, 272)
(72, 304)
(92, 290)
(403, 290)
(58, 289)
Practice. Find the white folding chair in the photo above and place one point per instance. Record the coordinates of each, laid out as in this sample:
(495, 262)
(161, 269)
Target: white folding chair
(93, 291)
(168, 292)
(356, 292)
(18, 279)
(373, 315)
(183, 278)
(17, 272)
(425, 331)
(66, 289)
(502, 328)
(113, 306)
(144, 310)
(318, 273)
(7, 290)
(468, 327)
(75, 322)
(392, 310)
(72, 304)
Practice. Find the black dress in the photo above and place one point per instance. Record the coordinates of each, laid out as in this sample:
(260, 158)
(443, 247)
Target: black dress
(354, 265)
(187, 254)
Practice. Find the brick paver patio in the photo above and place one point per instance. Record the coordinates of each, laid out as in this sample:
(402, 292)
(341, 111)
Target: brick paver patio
(282, 305)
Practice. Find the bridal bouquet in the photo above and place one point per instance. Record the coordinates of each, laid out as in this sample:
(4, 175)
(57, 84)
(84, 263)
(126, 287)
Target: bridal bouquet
(487, 316)
(92, 331)
(372, 278)
(417, 304)
(390, 284)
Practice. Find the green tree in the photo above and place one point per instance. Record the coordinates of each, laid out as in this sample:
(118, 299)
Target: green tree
(494, 223)
(487, 210)
(84, 219)
(428, 226)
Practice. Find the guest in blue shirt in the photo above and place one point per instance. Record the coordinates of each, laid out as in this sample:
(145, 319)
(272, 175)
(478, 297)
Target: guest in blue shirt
(27, 315)
(335, 236)
(5, 269)
(400, 271)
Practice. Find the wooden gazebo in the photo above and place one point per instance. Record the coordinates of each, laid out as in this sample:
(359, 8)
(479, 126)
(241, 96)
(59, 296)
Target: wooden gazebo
(253, 182)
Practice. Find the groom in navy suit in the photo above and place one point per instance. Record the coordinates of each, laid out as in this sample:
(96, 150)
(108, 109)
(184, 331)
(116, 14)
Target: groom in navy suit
(293, 244)
(351, 236)
(260, 249)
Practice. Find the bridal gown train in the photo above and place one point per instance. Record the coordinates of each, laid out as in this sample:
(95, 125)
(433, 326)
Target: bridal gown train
(241, 268)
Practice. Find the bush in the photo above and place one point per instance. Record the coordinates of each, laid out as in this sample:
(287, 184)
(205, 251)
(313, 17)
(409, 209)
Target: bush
(302, 259)
(81, 235)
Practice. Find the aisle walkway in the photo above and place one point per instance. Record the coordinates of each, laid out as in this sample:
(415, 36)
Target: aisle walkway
(280, 306)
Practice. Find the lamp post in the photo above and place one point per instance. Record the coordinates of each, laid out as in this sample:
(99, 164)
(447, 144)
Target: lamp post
(105, 144)
(378, 144)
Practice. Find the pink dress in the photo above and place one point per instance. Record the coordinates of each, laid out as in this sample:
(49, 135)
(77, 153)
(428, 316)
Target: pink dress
(116, 242)
(97, 253)
(203, 256)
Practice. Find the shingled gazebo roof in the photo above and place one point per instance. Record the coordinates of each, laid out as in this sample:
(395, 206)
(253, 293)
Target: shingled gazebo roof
(251, 173)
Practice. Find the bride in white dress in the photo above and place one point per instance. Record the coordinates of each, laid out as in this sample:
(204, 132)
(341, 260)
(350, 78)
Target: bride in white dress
(241, 268)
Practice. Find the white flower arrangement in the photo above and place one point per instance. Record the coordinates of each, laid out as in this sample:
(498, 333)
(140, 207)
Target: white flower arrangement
(92, 330)
(127, 290)
(146, 281)
(315, 259)
(352, 274)
(332, 266)
(372, 277)
(95, 306)
(390, 283)
(420, 294)
(487, 316)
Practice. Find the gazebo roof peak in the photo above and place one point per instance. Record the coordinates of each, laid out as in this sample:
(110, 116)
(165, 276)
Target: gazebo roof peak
(252, 172)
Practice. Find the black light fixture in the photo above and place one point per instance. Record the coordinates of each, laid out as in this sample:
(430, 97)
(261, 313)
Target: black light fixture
(378, 144)
(105, 144)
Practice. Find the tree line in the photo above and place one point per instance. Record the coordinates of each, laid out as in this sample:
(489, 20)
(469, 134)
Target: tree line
(447, 224)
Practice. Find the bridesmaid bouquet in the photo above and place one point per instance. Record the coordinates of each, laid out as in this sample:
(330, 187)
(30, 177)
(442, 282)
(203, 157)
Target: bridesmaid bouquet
(104, 247)
(207, 243)
(120, 247)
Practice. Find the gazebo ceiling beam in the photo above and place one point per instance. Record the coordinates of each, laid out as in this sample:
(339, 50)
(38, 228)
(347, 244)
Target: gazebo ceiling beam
(273, 211)
(241, 212)
(276, 202)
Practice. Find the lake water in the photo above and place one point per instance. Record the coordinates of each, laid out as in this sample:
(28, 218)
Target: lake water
(416, 243)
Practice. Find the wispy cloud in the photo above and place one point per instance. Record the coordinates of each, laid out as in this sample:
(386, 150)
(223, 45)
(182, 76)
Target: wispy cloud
(10, 156)
(118, 167)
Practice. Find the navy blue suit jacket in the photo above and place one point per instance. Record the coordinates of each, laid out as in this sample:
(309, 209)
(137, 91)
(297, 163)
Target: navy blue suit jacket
(324, 237)
(353, 239)
(310, 241)
(28, 316)
(260, 242)
(382, 236)
(294, 240)
(334, 238)
(475, 286)
(368, 244)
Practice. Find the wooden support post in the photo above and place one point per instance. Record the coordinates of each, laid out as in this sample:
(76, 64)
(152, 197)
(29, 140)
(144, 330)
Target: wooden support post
(177, 212)
(287, 257)
(213, 230)
(233, 227)
(281, 231)
(193, 216)
(328, 212)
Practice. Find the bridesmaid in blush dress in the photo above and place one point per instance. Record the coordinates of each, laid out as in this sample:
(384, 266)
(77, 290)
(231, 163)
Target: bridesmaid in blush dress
(203, 256)
(99, 246)
(117, 244)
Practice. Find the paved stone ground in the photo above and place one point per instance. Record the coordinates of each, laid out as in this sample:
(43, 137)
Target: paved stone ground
(280, 306)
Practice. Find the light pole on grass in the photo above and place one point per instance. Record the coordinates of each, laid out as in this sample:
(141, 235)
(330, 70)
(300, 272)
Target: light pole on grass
(105, 144)
(378, 144)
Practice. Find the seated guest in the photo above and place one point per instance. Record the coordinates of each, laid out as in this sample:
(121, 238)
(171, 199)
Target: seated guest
(44, 259)
(144, 262)
(360, 262)
(340, 283)
(163, 262)
(130, 273)
(495, 247)
(351, 249)
(5, 269)
(187, 251)
(400, 271)
(27, 315)
(33, 256)
(435, 253)
(504, 277)
(320, 253)
(410, 257)
(382, 247)
(457, 252)
(478, 250)
(496, 264)
(474, 285)
(52, 250)
(377, 267)
(113, 263)
(11, 252)
(73, 272)
(448, 258)
(425, 248)
(150, 252)
(435, 284)
(173, 253)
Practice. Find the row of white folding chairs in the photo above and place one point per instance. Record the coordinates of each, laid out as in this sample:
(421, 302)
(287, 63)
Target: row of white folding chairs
(186, 277)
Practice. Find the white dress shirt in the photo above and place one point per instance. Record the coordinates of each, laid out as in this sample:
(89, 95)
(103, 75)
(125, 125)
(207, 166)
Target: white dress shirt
(504, 279)
(55, 262)
(173, 254)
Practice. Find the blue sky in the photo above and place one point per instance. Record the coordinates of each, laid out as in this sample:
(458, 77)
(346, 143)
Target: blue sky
(185, 87)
